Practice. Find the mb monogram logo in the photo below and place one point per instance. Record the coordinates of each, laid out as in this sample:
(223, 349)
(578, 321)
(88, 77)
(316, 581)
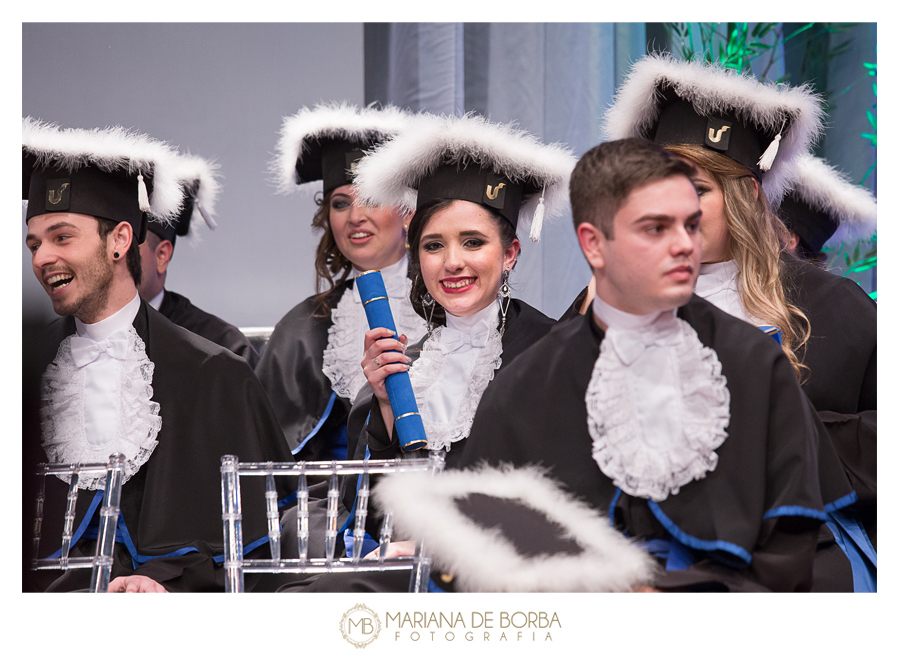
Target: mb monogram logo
(360, 626)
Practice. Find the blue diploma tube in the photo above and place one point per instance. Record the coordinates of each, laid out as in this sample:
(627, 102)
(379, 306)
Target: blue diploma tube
(407, 421)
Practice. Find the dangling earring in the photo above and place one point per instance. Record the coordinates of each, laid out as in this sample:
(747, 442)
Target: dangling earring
(406, 236)
(428, 302)
(504, 295)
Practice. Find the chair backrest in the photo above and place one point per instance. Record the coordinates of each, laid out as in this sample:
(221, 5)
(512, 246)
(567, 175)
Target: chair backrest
(258, 336)
(101, 562)
(235, 563)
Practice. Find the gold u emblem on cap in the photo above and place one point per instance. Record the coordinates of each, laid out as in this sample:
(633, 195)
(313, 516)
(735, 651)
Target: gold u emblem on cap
(718, 136)
(55, 196)
(496, 191)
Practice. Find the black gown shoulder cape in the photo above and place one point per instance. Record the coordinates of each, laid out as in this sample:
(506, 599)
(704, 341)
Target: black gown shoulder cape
(841, 382)
(312, 416)
(750, 524)
(182, 312)
(841, 355)
(170, 528)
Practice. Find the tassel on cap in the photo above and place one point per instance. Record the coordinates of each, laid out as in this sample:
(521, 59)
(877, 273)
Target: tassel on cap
(143, 197)
(538, 221)
(768, 157)
(210, 222)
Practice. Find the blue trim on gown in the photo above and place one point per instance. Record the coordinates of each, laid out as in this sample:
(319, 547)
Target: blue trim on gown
(318, 426)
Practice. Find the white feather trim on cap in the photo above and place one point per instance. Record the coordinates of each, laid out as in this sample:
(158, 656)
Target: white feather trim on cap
(827, 190)
(389, 175)
(714, 88)
(481, 560)
(109, 149)
(328, 120)
(194, 169)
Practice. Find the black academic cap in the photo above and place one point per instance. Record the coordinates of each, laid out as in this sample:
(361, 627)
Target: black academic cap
(822, 201)
(109, 173)
(511, 530)
(323, 143)
(199, 192)
(761, 126)
(472, 159)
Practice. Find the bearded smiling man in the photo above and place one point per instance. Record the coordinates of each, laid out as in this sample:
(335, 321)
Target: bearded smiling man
(75, 267)
(120, 377)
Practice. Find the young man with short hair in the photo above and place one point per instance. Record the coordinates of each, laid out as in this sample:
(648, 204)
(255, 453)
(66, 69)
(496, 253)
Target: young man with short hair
(684, 425)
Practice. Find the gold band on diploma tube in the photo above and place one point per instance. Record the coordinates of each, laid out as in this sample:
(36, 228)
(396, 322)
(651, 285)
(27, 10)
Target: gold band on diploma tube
(374, 299)
(411, 413)
(366, 272)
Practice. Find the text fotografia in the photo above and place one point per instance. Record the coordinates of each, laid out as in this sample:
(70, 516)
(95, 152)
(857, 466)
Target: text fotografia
(474, 627)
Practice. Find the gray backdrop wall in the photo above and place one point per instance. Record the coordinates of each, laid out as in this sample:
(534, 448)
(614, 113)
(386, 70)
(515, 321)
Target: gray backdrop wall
(218, 91)
(221, 91)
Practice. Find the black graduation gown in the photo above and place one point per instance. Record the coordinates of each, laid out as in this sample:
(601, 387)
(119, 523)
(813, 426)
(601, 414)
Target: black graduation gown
(312, 416)
(179, 310)
(751, 524)
(841, 383)
(841, 355)
(211, 405)
(524, 326)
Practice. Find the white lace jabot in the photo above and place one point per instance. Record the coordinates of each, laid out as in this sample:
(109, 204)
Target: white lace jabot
(346, 336)
(449, 377)
(96, 397)
(657, 403)
(720, 284)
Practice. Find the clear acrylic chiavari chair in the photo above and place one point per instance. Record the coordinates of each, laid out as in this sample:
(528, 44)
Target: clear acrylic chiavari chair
(235, 563)
(102, 560)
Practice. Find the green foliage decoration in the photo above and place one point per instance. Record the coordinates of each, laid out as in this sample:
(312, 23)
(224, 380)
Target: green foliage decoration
(737, 46)
(862, 255)
(734, 45)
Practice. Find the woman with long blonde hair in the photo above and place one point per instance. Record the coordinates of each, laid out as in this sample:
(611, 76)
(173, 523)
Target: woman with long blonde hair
(743, 137)
(743, 244)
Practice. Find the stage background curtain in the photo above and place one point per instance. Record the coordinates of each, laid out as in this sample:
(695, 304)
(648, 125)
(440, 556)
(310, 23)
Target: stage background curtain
(556, 80)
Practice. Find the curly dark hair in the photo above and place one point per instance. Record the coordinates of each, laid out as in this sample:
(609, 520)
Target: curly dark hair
(332, 267)
(416, 226)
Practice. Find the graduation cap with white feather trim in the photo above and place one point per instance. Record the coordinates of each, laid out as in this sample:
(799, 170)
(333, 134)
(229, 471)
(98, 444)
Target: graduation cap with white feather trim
(761, 126)
(323, 143)
(512, 530)
(111, 173)
(823, 203)
(200, 189)
(470, 158)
